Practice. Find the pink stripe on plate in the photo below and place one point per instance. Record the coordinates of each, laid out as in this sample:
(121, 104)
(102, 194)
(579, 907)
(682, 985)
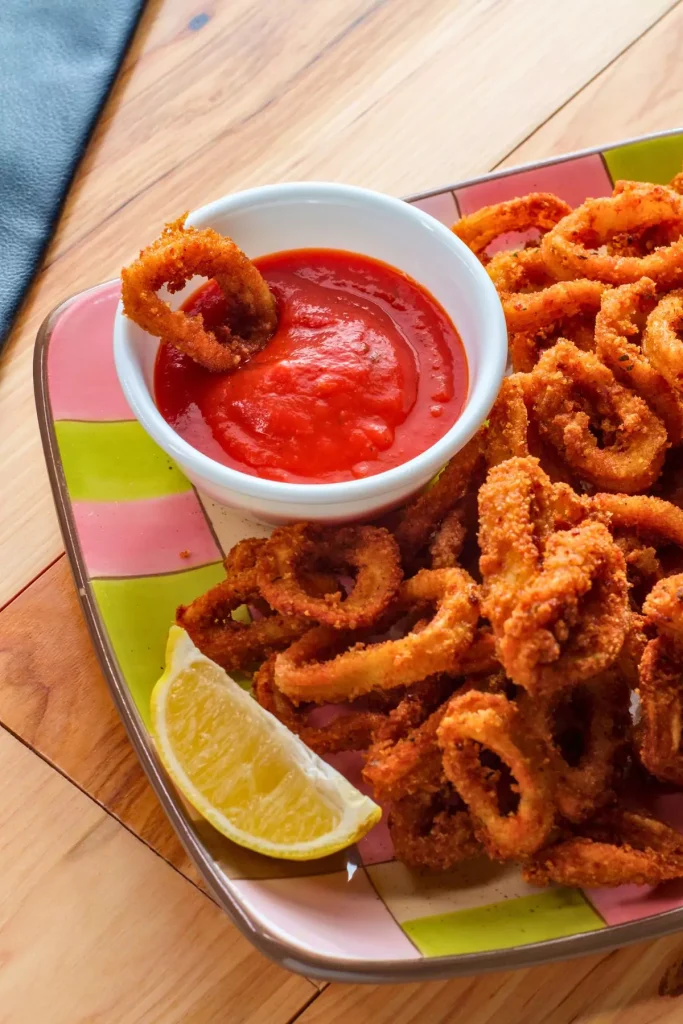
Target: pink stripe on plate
(571, 180)
(142, 538)
(376, 847)
(441, 206)
(634, 902)
(82, 378)
(338, 915)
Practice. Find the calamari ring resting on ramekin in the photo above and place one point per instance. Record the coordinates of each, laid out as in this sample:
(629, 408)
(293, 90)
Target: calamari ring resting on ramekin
(179, 254)
(539, 210)
(569, 622)
(663, 607)
(663, 339)
(585, 728)
(660, 729)
(489, 720)
(578, 245)
(618, 848)
(303, 673)
(519, 508)
(291, 550)
(628, 454)
(622, 317)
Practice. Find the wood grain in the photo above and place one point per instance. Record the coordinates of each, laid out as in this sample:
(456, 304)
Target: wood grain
(397, 95)
(639, 93)
(53, 695)
(95, 928)
(638, 985)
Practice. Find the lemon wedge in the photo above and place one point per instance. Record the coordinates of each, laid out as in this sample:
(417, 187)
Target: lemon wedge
(254, 780)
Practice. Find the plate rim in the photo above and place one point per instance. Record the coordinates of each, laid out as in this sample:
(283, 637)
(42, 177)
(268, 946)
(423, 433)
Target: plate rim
(286, 953)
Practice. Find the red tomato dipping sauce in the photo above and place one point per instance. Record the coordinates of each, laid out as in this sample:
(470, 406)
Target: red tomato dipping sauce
(364, 372)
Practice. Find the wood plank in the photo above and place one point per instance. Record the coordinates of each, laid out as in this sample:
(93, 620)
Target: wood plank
(363, 111)
(95, 927)
(53, 695)
(639, 93)
(347, 104)
(637, 985)
(202, 84)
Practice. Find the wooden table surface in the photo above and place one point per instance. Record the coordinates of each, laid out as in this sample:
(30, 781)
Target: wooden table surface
(101, 916)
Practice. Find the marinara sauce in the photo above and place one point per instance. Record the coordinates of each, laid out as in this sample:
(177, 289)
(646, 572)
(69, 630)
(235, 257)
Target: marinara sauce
(364, 372)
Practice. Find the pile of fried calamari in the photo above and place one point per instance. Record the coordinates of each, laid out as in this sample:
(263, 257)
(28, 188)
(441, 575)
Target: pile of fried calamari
(508, 648)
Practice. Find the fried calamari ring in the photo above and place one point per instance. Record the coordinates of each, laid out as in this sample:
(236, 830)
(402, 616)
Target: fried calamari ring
(291, 550)
(421, 516)
(432, 830)
(489, 721)
(585, 729)
(651, 519)
(627, 664)
(539, 310)
(526, 347)
(676, 183)
(180, 254)
(663, 607)
(352, 729)
(519, 509)
(527, 311)
(303, 674)
(480, 658)
(241, 569)
(508, 424)
(619, 323)
(230, 643)
(428, 822)
(448, 540)
(663, 339)
(511, 434)
(660, 729)
(603, 431)
(519, 271)
(539, 210)
(578, 246)
(643, 566)
(619, 848)
(242, 558)
(569, 622)
(405, 757)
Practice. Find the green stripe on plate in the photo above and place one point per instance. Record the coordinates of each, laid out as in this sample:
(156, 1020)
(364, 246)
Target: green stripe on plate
(115, 462)
(138, 613)
(548, 915)
(650, 160)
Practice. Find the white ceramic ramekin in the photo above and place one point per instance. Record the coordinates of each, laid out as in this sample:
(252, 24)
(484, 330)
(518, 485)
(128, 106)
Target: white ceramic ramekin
(322, 215)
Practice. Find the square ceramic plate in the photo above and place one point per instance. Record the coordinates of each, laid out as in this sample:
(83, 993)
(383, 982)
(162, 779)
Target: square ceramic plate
(141, 540)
